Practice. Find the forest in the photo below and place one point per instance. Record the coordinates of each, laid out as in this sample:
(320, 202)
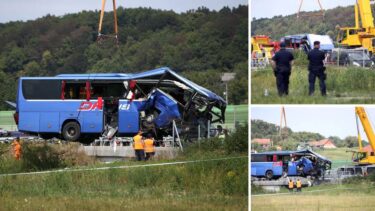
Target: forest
(308, 22)
(200, 44)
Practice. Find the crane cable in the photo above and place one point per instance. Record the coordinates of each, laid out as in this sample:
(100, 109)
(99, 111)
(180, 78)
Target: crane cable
(102, 36)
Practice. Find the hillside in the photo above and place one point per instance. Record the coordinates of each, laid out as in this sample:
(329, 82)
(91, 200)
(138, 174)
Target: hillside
(290, 139)
(204, 41)
(280, 26)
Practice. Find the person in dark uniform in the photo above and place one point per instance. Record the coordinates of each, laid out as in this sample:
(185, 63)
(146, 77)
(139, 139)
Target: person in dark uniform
(282, 66)
(316, 69)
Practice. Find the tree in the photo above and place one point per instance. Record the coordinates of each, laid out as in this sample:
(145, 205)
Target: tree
(351, 141)
(32, 69)
(199, 42)
(15, 59)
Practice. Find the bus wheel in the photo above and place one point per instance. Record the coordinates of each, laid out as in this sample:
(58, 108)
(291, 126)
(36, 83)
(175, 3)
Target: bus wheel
(71, 131)
(269, 174)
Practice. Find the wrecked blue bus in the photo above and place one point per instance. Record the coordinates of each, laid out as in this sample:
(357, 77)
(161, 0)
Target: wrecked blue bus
(274, 164)
(85, 106)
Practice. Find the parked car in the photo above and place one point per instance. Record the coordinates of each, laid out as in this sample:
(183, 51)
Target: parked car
(358, 58)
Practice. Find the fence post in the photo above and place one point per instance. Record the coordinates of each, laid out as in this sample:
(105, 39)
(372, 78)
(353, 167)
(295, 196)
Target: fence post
(363, 58)
(199, 132)
(199, 136)
(173, 134)
(208, 129)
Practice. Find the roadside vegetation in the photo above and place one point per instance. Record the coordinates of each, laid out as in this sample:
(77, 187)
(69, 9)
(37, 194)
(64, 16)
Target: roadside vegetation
(353, 193)
(345, 85)
(358, 197)
(210, 185)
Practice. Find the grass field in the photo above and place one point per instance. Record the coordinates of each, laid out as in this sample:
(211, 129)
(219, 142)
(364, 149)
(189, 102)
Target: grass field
(344, 86)
(360, 198)
(210, 185)
(338, 156)
(236, 113)
(182, 187)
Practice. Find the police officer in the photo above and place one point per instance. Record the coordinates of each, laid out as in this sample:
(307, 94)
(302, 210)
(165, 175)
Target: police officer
(282, 66)
(316, 69)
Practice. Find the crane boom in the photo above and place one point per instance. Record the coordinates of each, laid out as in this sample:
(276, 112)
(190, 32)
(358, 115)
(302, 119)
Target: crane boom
(365, 13)
(362, 157)
(362, 115)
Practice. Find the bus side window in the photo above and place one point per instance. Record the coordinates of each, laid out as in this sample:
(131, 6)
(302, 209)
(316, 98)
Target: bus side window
(274, 158)
(75, 90)
(269, 158)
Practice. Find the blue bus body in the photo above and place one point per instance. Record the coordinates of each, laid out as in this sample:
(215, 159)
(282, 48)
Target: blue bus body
(288, 163)
(46, 104)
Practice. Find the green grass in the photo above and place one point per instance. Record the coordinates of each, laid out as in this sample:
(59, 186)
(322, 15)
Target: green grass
(344, 86)
(202, 186)
(359, 197)
(236, 113)
(214, 185)
(338, 156)
(6, 118)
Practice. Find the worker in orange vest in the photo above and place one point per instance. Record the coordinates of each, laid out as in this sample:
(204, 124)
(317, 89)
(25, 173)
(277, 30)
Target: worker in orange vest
(149, 147)
(17, 148)
(291, 185)
(299, 185)
(139, 146)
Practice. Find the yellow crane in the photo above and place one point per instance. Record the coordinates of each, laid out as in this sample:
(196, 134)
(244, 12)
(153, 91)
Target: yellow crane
(361, 35)
(362, 157)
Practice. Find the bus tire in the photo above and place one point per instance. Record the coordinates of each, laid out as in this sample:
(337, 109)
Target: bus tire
(269, 174)
(71, 131)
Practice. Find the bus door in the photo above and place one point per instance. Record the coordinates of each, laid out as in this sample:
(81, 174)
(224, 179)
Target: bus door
(292, 168)
(90, 110)
(128, 116)
(91, 113)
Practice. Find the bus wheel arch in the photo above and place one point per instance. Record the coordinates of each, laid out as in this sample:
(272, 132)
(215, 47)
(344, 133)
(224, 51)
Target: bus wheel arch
(71, 130)
(269, 174)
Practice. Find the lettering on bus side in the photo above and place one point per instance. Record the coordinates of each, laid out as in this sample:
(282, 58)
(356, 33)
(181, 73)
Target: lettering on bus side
(279, 163)
(88, 106)
(124, 107)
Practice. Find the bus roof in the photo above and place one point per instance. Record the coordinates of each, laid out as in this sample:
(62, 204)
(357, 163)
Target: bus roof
(163, 73)
(293, 152)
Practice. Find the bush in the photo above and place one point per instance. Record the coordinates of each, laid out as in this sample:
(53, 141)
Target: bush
(256, 189)
(42, 156)
(238, 141)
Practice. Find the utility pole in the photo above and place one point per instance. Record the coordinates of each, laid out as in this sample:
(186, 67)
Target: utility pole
(226, 77)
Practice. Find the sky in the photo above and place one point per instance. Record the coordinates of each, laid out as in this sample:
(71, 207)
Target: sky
(270, 8)
(327, 120)
(13, 10)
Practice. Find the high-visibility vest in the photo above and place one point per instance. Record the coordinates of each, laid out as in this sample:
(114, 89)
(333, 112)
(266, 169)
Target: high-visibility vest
(149, 145)
(138, 142)
(299, 183)
(291, 184)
